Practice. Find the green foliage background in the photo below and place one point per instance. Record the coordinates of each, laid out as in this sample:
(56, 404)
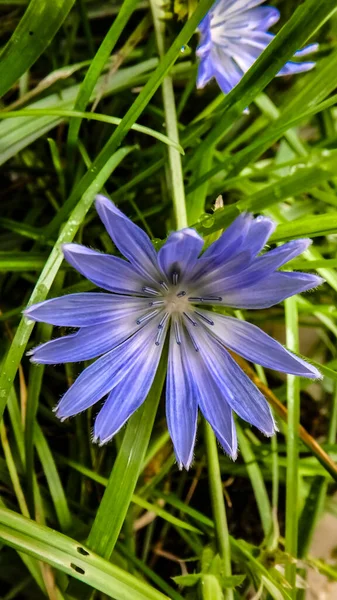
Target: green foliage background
(98, 95)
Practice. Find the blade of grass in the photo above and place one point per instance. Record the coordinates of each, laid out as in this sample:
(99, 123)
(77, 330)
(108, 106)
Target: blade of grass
(72, 558)
(218, 505)
(38, 113)
(49, 272)
(97, 65)
(257, 482)
(176, 172)
(292, 483)
(123, 479)
(34, 32)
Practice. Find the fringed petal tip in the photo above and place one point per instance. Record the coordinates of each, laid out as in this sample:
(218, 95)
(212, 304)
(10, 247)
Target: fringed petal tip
(233, 455)
(28, 313)
(316, 281)
(313, 373)
(184, 462)
(57, 413)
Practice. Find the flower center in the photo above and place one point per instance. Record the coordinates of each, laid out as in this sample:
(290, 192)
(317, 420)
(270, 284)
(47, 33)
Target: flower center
(176, 302)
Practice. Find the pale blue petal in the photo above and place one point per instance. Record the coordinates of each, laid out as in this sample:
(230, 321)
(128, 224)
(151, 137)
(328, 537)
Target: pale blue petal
(106, 271)
(208, 277)
(211, 399)
(239, 391)
(130, 239)
(88, 342)
(258, 234)
(255, 345)
(129, 392)
(181, 403)
(180, 252)
(275, 288)
(293, 68)
(252, 272)
(205, 72)
(261, 18)
(107, 372)
(307, 50)
(205, 44)
(226, 71)
(276, 258)
(229, 8)
(85, 309)
(230, 242)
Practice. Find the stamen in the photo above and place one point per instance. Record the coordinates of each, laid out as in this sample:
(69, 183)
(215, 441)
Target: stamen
(209, 321)
(205, 299)
(175, 278)
(161, 329)
(163, 285)
(195, 346)
(151, 291)
(159, 336)
(163, 321)
(156, 303)
(147, 317)
(181, 294)
(190, 319)
(177, 332)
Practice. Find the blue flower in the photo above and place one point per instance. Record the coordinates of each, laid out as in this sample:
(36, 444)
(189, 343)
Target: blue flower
(151, 296)
(233, 35)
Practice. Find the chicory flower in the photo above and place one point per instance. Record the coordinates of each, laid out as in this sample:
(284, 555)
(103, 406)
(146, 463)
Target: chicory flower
(233, 35)
(151, 296)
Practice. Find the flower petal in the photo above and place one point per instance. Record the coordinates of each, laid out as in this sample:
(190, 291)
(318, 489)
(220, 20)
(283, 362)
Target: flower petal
(293, 68)
(252, 272)
(255, 345)
(273, 290)
(205, 72)
(208, 394)
(106, 271)
(240, 393)
(130, 239)
(229, 243)
(129, 393)
(309, 49)
(180, 252)
(88, 342)
(181, 404)
(258, 234)
(85, 309)
(107, 372)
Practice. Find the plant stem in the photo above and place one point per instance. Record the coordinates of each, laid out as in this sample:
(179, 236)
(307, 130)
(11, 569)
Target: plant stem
(218, 505)
(293, 402)
(176, 171)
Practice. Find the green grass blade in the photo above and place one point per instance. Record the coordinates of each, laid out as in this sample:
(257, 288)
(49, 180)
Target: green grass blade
(122, 481)
(50, 270)
(34, 32)
(72, 114)
(72, 558)
(53, 479)
(97, 65)
(292, 484)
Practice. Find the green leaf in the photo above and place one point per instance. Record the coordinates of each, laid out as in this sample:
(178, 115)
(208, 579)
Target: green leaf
(257, 481)
(98, 63)
(18, 133)
(50, 270)
(188, 580)
(122, 481)
(26, 112)
(72, 558)
(313, 226)
(34, 32)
